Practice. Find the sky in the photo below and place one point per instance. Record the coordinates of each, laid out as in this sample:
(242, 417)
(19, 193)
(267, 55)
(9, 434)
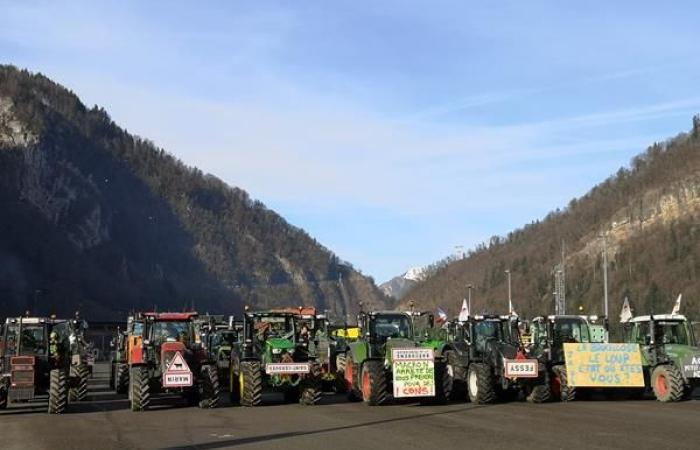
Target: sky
(391, 131)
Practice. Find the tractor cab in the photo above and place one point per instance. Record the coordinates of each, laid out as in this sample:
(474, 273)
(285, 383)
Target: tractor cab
(426, 334)
(385, 330)
(486, 331)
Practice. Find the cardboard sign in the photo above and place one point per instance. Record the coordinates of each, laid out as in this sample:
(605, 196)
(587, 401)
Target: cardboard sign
(604, 365)
(178, 373)
(287, 368)
(522, 368)
(691, 367)
(414, 372)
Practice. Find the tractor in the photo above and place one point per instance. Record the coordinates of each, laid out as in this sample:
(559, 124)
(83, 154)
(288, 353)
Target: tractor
(387, 338)
(276, 353)
(219, 337)
(169, 357)
(670, 354)
(486, 357)
(549, 334)
(42, 355)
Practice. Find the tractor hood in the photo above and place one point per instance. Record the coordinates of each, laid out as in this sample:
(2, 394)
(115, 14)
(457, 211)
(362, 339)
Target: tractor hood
(280, 343)
(398, 343)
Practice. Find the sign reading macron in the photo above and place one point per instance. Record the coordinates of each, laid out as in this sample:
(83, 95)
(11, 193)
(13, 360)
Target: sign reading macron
(414, 372)
(604, 365)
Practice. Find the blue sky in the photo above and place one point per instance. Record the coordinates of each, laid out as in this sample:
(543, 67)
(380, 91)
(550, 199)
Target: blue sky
(391, 131)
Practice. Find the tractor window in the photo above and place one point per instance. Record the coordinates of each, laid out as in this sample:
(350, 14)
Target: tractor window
(274, 326)
(33, 339)
(492, 329)
(571, 330)
(392, 326)
(673, 332)
(138, 329)
(172, 331)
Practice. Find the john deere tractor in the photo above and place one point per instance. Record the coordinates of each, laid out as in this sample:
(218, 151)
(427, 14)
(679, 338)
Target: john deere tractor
(670, 354)
(388, 337)
(486, 357)
(43, 355)
(219, 337)
(276, 353)
(549, 334)
(170, 358)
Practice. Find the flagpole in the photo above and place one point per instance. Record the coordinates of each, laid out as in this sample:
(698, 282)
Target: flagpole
(469, 297)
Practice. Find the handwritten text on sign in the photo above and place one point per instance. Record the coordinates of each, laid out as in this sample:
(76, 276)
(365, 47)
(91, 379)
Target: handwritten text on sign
(604, 365)
(414, 372)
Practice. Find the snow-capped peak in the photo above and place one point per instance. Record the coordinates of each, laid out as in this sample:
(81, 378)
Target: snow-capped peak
(414, 274)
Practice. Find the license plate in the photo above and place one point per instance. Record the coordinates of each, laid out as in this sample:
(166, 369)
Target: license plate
(522, 368)
(179, 379)
(287, 368)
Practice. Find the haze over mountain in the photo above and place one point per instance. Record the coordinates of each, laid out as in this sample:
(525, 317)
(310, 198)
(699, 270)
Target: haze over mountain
(97, 219)
(650, 213)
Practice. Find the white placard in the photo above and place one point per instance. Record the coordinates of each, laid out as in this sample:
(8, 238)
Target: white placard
(413, 372)
(522, 368)
(177, 379)
(287, 368)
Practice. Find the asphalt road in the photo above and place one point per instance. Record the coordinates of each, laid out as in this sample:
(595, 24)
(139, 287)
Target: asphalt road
(104, 422)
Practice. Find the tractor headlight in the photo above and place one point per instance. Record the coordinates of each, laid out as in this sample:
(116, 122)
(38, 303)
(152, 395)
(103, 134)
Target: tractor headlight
(276, 351)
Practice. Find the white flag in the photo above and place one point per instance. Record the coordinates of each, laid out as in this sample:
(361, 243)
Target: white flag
(677, 306)
(464, 312)
(626, 313)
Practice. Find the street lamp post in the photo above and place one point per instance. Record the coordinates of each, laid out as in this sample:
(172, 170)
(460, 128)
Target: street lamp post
(605, 274)
(510, 299)
(469, 298)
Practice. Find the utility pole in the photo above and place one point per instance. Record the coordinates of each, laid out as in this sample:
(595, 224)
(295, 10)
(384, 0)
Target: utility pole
(469, 298)
(605, 274)
(510, 298)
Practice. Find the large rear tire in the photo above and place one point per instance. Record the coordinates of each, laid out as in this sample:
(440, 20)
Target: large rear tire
(560, 387)
(140, 389)
(481, 384)
(79, 391)
(539, 393)
(374, 383)
(340, 385)
(443, 383)
(211, 390)
(458, 374)
(351, 372)
(251, 383)
(667, 383)
(121, 378)
(310, 387)
(58, 391)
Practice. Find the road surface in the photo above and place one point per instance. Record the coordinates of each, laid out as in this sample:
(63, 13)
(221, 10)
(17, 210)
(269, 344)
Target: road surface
(104, 422)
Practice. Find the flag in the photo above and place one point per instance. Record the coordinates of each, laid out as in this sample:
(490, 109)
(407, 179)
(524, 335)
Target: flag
(441, 315)
(464, 312)
(626, 313)
(677, 306)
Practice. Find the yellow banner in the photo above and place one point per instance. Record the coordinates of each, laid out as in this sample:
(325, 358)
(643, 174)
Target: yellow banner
(604, 365)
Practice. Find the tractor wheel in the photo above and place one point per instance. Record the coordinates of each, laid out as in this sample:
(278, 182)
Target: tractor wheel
(340, 385)
(140, 389)
(251, 383)
(539, 393)
(310, 387)
(234, 387)
(79, 391)
(481, 384)
(374, 383)
(58, 391)
(458, 376)
(211, 390)
(3, 396)
(443, 383)
(561, 390)
(351, 369)
(121, 378)
(667, 383)
(113, 375)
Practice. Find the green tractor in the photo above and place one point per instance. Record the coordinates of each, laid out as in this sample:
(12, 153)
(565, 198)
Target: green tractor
(377, 367)
(220, 337)
(549, 334)
(329, 349)
(42, 355)
(670, 354)
(486, 357)
(276, 353)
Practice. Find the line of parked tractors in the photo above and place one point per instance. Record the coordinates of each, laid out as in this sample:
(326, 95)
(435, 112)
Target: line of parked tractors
(302, 354)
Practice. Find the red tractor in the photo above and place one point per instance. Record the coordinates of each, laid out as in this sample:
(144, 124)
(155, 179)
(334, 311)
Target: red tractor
(171, 358)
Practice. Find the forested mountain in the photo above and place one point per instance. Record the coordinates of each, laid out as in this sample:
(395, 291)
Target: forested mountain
(95, 218)
(650, 213)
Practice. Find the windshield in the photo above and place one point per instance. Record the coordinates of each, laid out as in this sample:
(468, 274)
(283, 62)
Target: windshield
(273, 326)
(672, 332)
(497, 329)
(172, 331)
(33, 340)
(392, 326)
(571, 330)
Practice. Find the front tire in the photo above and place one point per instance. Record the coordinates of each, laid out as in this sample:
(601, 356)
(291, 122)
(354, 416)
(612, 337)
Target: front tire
(58, 391)
(351, 369)
(667, 383)
(251, 383)
(481, 384)
(211, 390)
(121, 379)
(140, 389)
(560, 385)
(374, 383)
(310, 387)
(443, 383)
(79, 392)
